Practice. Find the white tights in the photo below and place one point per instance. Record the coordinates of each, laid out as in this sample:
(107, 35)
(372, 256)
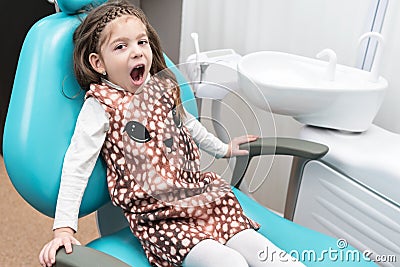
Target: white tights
(247, 248)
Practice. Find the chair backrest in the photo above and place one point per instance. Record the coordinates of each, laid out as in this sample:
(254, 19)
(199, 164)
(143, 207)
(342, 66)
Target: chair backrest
(45, 102)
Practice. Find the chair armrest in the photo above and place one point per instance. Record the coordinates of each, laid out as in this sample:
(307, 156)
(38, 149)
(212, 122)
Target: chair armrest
(302, 151)
(276, 146)
(87, 257)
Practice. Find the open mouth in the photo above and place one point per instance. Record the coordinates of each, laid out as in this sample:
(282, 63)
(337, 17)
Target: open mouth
(137, 74)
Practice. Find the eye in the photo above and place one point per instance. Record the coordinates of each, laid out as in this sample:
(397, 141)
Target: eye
(176, 117)
(137, 132)
(119, 46)
(143, 42)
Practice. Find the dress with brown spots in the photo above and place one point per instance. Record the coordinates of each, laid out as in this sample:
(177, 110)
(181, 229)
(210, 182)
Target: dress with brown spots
(154, 175)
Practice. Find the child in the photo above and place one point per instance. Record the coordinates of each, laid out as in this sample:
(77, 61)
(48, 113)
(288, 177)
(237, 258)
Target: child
(133, 115)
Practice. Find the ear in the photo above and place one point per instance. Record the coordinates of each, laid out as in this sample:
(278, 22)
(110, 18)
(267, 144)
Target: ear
(96, 63)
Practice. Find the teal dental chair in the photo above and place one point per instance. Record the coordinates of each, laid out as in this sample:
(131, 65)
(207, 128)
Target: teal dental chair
(45, 102)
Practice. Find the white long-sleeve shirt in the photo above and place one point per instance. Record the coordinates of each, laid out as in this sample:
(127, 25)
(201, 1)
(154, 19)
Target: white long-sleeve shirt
(88, 138)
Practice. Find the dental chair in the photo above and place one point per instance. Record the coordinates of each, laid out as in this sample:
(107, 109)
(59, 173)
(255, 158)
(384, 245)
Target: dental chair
(44, 105)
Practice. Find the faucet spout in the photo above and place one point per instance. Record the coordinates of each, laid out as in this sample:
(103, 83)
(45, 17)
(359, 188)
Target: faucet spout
(378, 54)
(332, 59)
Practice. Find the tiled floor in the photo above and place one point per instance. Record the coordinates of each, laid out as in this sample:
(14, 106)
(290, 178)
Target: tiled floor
(24, 231)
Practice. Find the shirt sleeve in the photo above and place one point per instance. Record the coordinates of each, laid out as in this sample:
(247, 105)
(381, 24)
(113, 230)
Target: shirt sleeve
(81, 156)
(203, 138)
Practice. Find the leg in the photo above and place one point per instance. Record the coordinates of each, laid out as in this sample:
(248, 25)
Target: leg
(259, 251)
(210, 253)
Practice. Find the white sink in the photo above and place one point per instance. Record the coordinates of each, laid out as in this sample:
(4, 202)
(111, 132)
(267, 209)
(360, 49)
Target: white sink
(297, 86)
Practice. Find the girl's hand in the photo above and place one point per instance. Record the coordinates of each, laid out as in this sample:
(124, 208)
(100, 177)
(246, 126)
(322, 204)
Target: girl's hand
(234, 150)
(62, 237)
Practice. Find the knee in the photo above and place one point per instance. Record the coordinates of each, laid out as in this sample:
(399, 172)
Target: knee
(231, 257)
(210, 253)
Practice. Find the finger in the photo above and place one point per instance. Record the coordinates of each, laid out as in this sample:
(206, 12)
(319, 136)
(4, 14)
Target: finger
(41, 259)
(46, 253)
(250, 138)
(51, 254)
(241, 152)
(67, 245)
(243, 139)
(75, 241)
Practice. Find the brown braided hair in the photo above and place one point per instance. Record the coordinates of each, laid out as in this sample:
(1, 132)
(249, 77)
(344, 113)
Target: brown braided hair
(88, 39)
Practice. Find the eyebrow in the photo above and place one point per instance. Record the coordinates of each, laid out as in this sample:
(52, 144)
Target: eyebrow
(140, 35)
(143, 34)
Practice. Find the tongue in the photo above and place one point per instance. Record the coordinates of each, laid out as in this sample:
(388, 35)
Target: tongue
(136, 74)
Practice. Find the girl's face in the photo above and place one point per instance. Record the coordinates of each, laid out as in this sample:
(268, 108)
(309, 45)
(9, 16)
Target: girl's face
(125, 53)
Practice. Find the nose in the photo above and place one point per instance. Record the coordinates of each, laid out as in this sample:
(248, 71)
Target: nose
(136, 51)
(169, 142)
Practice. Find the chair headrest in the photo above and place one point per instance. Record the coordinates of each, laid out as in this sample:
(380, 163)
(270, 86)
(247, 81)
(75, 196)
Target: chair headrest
(73, 6)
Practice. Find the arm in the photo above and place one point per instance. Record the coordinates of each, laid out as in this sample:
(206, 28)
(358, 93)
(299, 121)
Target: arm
(203, 138)
(213, 145)
(79, 161)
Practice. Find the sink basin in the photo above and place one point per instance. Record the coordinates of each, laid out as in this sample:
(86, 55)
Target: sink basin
(297, 86)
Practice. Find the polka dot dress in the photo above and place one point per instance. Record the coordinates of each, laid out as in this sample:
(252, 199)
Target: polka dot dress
(154, 175)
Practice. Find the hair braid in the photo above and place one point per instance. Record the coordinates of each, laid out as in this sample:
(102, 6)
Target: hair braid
(110, 15)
